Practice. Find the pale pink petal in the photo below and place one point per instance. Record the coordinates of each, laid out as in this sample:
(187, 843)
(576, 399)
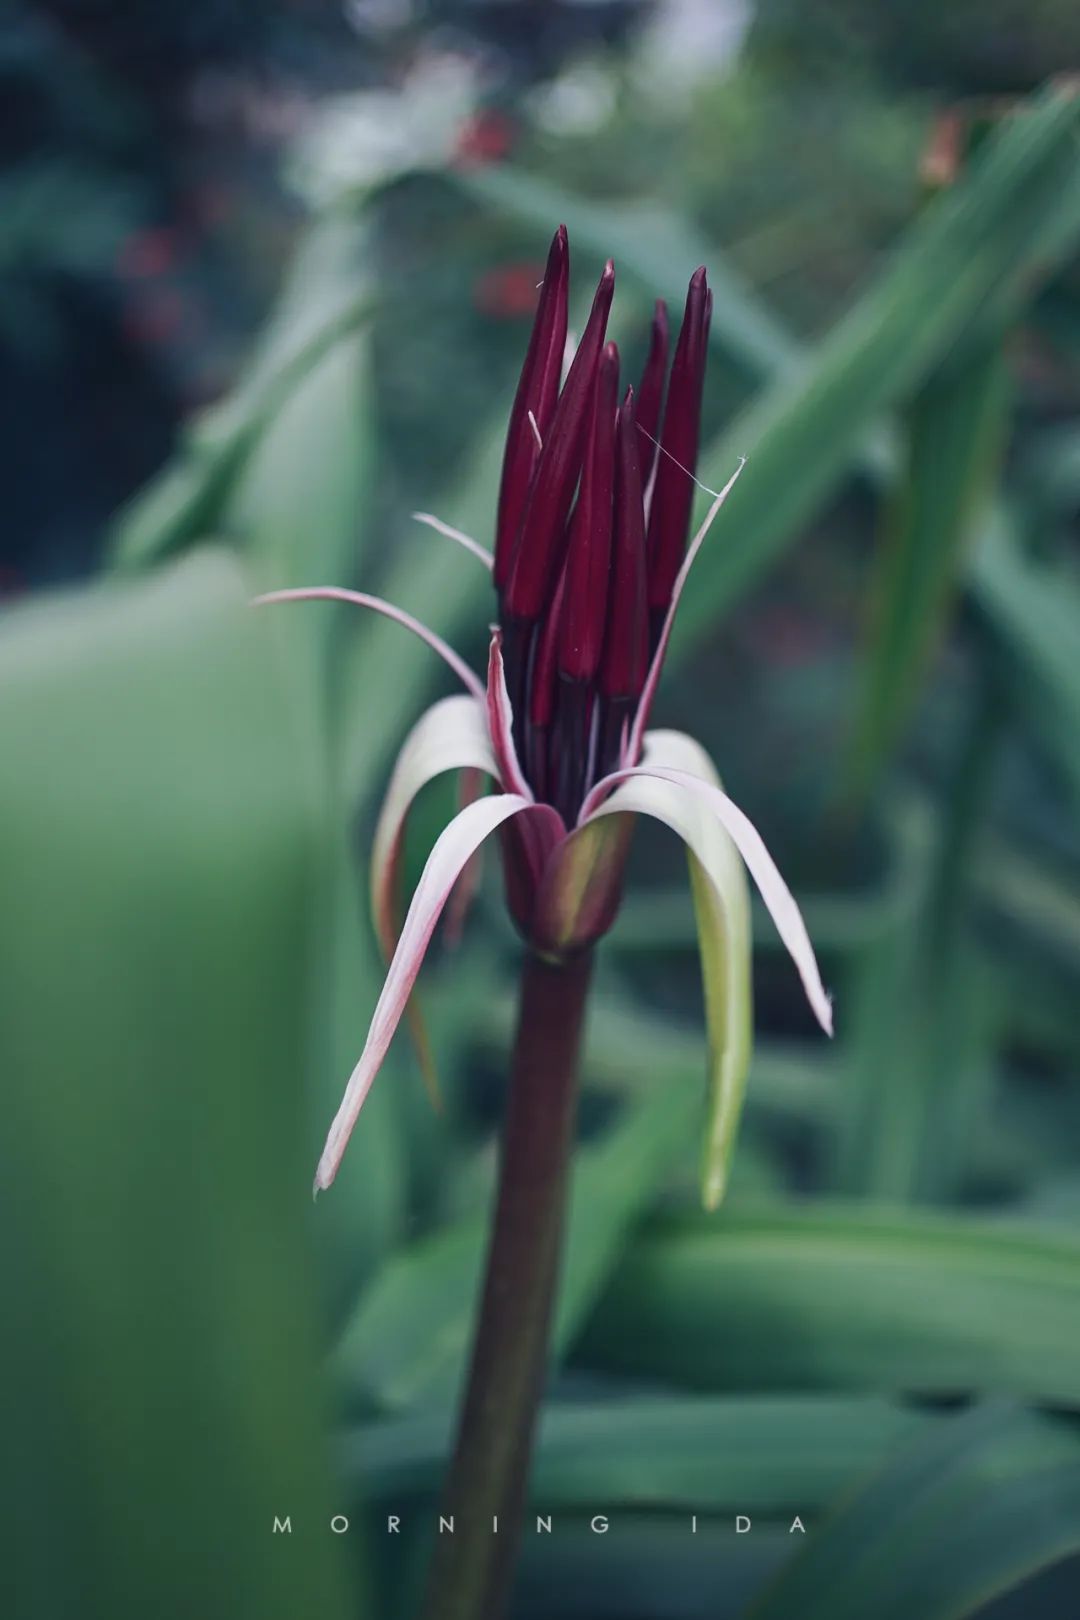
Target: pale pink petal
(721, 897)
(451, 736)
(337, 593)
(452, 850)
(501, 722)
(632, 752)
(774, 891)
(470, 787)
(462, 539)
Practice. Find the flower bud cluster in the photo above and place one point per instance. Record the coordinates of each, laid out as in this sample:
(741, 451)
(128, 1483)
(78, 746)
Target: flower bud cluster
(593, 519)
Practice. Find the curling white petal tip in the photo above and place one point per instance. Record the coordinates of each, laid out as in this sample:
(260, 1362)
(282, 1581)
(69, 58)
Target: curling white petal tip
(779, 900)
(376, 604)
(453, 848)
(462, 539)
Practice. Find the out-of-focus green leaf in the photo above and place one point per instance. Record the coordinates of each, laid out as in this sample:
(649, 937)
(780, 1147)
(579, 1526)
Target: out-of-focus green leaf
(1040, 897)
(976, 1505)
(982, 238)
(748, 1454)
(160, 831)
(919, 1057)
(656, 921)
(954, 431)
(1034, 609)
(648, 1566)
(327, 299)
(916, 1068)
(407, 1339)
(300, 498)
(1048, 475)
(300, 504)
(845, 1298)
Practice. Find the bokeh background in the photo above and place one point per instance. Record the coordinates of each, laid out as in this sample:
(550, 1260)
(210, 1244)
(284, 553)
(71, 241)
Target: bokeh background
(266, 275)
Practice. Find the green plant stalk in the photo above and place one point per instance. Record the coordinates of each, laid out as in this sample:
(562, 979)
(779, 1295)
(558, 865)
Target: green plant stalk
(472, 1568)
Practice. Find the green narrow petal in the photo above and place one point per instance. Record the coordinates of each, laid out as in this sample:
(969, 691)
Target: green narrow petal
(722, 910)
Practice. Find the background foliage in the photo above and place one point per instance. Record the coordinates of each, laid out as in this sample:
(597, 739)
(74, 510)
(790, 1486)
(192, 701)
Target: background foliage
(878, 1331)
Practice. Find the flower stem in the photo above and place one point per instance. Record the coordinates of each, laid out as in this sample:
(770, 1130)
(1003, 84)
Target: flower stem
(472, 1569)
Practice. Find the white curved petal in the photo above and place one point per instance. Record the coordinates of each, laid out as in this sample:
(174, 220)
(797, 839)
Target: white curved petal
(452, 850)
(688, 773)
(470, 787)
(337, 593)
(451, 736)
(722, 910)
(641, 717)
(501, 722)
(462, 539)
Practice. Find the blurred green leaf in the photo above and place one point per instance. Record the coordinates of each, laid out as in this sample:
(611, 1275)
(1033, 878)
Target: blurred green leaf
(953, 438)
(844, 1298)
(751, 1454)
(982, 239)
(645, 1567)
(300, 498)
(976, 1505)
(320, 307)
(1033, 607)
(301, 504)
(923, 1029)
(916, 1069)
(161, 834)
(656, 921)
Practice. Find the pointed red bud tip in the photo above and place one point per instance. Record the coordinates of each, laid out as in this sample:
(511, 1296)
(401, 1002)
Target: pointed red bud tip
(651, 393)
(673, 494)
(588, 563)
(537, 391)
(622, 668)
(538, 550)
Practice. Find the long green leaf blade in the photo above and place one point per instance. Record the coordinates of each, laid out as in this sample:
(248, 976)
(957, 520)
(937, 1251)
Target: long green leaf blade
(845, 1299)
(161, 1323)
(975, 1506)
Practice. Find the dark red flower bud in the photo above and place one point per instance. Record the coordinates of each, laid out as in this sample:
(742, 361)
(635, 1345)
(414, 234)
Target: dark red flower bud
(542, 676)
(651, 392)
(673, 493)
(542, 697)
(537, 391)
(538, 551)
(588, 563)
(623, 666)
